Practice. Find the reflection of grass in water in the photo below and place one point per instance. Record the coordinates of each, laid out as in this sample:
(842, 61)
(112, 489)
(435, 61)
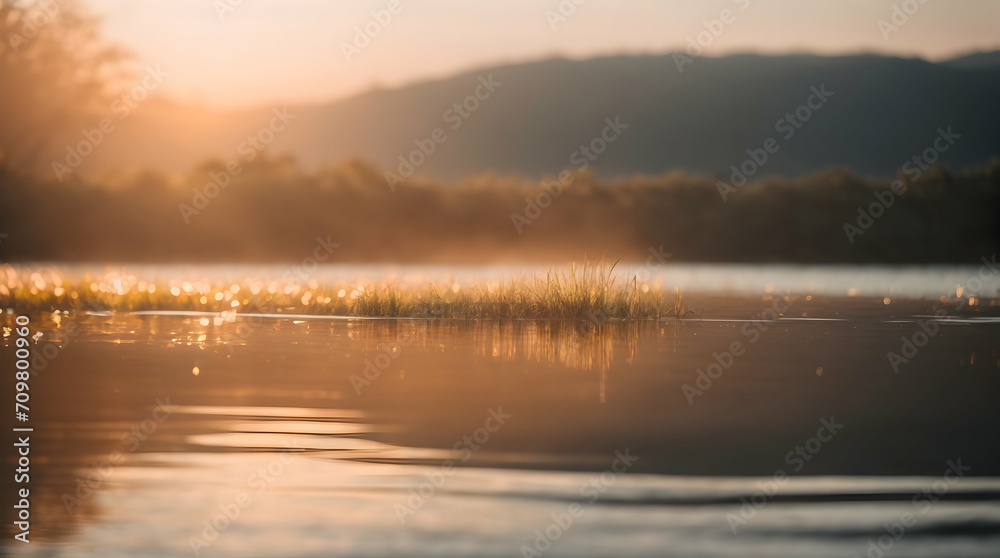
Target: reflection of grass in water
(589, 291)
(573, 344)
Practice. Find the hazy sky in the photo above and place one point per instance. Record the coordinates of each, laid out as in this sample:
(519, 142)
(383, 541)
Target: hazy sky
(266, 51)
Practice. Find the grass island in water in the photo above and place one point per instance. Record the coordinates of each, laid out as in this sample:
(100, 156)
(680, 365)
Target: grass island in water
(575, 292)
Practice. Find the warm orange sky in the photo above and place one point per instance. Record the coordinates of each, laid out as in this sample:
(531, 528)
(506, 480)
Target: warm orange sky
(266, 51)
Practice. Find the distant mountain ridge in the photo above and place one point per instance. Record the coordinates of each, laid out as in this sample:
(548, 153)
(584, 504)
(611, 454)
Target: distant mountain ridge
(983, 60)
(882, 112)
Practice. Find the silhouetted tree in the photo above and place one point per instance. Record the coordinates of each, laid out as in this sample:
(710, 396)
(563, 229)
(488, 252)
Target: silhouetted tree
(55, 72)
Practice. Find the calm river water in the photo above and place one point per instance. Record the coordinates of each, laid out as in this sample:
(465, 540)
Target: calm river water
(768, 424)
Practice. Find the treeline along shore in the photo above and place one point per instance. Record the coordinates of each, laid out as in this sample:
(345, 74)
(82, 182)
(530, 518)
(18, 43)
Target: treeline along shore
(273, 211)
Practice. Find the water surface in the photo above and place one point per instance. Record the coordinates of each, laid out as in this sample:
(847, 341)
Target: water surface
(470, 438)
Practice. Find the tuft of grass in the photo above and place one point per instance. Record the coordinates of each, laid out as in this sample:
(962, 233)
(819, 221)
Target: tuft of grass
(587, 291)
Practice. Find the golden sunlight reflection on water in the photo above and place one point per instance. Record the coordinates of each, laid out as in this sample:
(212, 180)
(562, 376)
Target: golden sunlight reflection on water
(244, 394)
